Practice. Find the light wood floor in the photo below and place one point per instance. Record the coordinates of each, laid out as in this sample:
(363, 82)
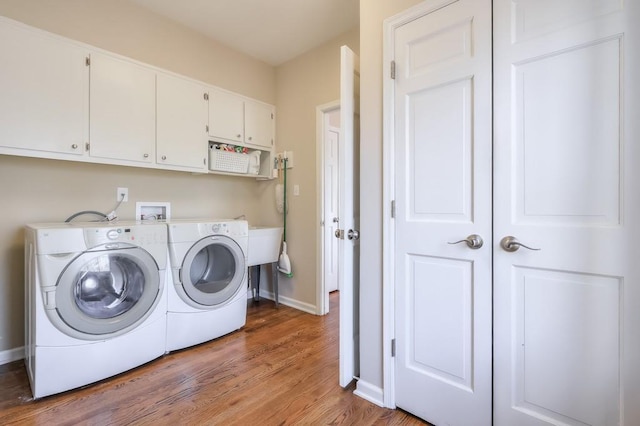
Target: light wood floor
(281, 368)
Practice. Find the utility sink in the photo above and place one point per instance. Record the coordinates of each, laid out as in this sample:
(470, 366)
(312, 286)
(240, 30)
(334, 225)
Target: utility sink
(264, 245)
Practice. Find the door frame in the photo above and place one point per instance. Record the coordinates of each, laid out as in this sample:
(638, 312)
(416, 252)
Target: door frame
(322, 297)
(389, 27)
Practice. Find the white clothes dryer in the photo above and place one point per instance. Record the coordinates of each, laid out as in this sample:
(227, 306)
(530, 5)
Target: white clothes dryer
(95, 301)
(208, 296)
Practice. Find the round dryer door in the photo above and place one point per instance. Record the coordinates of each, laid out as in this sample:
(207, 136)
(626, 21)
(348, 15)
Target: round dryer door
(213, 270)
(106, 291)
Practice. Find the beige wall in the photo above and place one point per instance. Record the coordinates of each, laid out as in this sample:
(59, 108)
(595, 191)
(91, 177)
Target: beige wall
(37, 190)
(304, 83)
(372, 15)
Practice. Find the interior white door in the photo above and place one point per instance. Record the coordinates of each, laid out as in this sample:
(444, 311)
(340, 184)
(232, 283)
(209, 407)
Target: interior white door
(349, 214)
(442, 188)
(331, 215)
(566, 155)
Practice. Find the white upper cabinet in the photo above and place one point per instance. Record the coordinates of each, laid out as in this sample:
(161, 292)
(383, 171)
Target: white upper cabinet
(226, 116)
(239, 120)
(44, 100)
(123, 110)
(259, 126)
(182, 123)
(64, 100)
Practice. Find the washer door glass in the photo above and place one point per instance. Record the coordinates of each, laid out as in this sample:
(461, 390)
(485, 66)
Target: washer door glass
(105, 291)
(213, 270)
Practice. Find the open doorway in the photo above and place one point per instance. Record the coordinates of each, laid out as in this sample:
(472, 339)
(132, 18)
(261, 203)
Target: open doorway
(327, 147)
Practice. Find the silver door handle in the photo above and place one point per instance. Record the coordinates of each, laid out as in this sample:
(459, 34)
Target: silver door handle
(339, 234)
(336, 220)
(512, 244)
(353, 235)
(474, 241)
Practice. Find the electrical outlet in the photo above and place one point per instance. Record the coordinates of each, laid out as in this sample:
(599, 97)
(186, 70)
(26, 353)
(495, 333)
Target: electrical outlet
(122, 194)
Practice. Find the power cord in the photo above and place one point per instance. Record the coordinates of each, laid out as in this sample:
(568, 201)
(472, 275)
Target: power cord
(111, 216)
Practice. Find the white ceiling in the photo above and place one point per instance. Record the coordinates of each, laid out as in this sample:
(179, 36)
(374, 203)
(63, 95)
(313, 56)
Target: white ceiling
(273, 31)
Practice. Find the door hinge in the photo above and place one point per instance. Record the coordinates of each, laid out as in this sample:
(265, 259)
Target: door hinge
(207, 126)
(204, 161)
(272, 116)
(393, 209)
(87, 146)
(87, 61)
(393, 347)
(206, 96)
(393, 70)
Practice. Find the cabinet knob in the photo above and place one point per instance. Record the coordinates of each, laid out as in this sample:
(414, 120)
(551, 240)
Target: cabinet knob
(146, 155)
(164, 157)
(250, 138)
(74, 146)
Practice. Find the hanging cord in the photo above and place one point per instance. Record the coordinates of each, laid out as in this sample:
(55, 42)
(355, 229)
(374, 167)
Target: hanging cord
(103, 217)
(93, 212)
(284, 207)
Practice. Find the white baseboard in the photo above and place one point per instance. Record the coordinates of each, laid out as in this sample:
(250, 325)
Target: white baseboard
(292, 303)
(369, 392)
(11, 355)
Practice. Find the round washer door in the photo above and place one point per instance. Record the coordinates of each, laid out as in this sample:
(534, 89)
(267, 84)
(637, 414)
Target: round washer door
(106, 291)
(213, 270)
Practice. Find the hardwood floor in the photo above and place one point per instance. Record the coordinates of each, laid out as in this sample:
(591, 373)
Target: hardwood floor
(281, 368)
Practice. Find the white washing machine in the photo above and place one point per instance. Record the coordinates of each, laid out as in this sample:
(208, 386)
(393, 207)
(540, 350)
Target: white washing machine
(208, 296)
(95, 301)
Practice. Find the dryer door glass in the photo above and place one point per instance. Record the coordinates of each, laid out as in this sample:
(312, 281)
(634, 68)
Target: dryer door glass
(105, 291)
(213, 270)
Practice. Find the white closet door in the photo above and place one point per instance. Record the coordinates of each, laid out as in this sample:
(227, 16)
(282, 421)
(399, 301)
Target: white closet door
(566, 156)
(442, 187)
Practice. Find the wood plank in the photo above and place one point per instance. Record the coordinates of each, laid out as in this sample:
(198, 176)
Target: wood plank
(281, 368)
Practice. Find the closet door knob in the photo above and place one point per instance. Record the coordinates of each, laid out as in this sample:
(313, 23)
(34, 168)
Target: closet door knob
(512, 244)
(474, 241)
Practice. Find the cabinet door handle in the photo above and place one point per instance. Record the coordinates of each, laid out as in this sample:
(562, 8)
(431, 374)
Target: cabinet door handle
(146, 155)
(238, 135)
(164, 157)
(250, 138)
(74, 146)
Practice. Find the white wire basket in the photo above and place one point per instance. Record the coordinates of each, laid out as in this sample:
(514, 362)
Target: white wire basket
(227, 161)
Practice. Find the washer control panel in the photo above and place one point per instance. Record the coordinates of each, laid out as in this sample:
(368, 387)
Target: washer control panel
(138, 235)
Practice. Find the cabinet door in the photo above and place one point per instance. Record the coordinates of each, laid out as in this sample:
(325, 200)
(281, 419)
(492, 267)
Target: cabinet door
(226, 116)
(182, 119)
(259, 124)
(44, 98)
(123, 110)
